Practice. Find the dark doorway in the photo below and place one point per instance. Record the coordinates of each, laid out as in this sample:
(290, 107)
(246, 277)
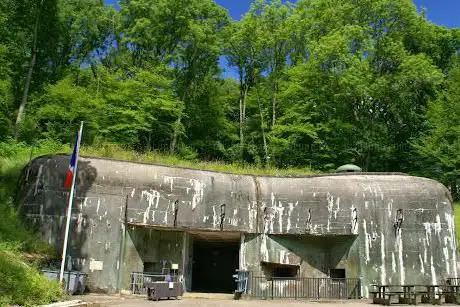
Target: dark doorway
(214, 263)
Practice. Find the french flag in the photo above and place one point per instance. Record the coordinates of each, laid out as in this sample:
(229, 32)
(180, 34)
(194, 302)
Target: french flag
(71, 169)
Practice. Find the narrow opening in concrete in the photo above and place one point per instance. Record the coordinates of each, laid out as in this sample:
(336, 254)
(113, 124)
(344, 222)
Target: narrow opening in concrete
(279, 270)
(285, 271)
(337, 273)
(214, 263)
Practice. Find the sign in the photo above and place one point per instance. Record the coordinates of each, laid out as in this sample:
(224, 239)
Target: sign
(95, 265)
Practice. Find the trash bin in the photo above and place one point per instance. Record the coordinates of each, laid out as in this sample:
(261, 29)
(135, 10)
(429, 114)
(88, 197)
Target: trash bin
(74, 281)
(164, 289)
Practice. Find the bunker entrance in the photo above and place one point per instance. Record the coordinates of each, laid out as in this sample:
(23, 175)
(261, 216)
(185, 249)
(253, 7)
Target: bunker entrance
(215, 259)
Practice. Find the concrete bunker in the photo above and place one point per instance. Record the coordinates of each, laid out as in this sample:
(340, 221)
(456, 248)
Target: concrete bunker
(132, 217)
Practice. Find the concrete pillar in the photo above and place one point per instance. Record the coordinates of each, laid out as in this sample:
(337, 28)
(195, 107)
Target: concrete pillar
(242, 257)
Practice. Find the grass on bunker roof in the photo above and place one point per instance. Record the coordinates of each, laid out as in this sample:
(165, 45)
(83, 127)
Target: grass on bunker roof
(152, 157)
(18, 154)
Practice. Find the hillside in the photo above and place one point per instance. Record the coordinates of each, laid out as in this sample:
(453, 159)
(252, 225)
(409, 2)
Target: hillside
(21, 251)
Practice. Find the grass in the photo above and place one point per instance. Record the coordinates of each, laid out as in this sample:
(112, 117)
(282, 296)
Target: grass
(457, 220)
(20, 250)
(17, 154)
(118, 153)
(20, 281)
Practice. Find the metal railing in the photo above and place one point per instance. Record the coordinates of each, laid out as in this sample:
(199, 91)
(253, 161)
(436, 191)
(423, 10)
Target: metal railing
(139, 279)
(241, 278)
(304, 287)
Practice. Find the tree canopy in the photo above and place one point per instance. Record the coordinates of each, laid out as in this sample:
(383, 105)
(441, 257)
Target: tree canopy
(316, 83)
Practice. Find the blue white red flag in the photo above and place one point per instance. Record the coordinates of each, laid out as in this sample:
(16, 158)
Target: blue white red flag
(71, 169)
(69, 183)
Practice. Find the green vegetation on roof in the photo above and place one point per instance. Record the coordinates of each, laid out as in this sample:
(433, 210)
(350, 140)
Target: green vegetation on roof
(18, 154)
(118, 153)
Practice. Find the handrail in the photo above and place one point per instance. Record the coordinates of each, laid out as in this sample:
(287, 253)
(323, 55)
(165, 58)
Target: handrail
(138, 280)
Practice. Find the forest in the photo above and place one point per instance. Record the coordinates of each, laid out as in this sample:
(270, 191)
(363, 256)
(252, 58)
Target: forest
(316, 83)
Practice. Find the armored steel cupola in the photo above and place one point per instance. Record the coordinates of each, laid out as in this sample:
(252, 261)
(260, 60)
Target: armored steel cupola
(348, 168)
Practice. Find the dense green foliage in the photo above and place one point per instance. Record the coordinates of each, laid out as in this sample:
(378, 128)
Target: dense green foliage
(317, 84)
(22, 284)
(440, 147)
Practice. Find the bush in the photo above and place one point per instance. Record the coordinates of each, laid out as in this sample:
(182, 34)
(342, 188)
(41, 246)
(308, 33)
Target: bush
(21, 283)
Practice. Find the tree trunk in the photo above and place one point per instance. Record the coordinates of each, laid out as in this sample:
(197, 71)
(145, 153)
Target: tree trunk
(33, 60)
(275, 90)
(262, 124)
(96, 77)
(149, 142)
(368, 161)
(241, 122)
(243, 96)
(172, 146)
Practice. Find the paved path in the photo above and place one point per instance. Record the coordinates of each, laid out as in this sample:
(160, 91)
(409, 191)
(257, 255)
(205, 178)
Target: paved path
(131, 302)
(117, 301)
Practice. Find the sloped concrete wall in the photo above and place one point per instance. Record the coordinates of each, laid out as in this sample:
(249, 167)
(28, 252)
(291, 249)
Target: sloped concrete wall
(113, 196)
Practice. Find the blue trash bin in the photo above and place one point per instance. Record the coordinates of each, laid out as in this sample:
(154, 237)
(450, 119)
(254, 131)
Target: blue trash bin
(74, 281)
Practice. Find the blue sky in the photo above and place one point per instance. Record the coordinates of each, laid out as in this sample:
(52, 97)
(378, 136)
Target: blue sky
(442, 12)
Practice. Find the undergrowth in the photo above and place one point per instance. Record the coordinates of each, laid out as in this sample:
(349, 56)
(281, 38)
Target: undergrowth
(20, 281)
(20, 250)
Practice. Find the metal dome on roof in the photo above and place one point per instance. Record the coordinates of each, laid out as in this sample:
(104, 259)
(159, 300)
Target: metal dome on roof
(348, 168)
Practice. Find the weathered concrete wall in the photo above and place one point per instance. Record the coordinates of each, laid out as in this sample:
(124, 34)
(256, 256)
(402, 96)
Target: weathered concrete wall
(314, 255)
(320, 222)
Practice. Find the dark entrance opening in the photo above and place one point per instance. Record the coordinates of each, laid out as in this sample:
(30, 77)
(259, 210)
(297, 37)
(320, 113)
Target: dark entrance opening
(214, 263)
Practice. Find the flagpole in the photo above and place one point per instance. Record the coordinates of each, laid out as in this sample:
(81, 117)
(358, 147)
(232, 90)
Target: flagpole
(69, 207)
